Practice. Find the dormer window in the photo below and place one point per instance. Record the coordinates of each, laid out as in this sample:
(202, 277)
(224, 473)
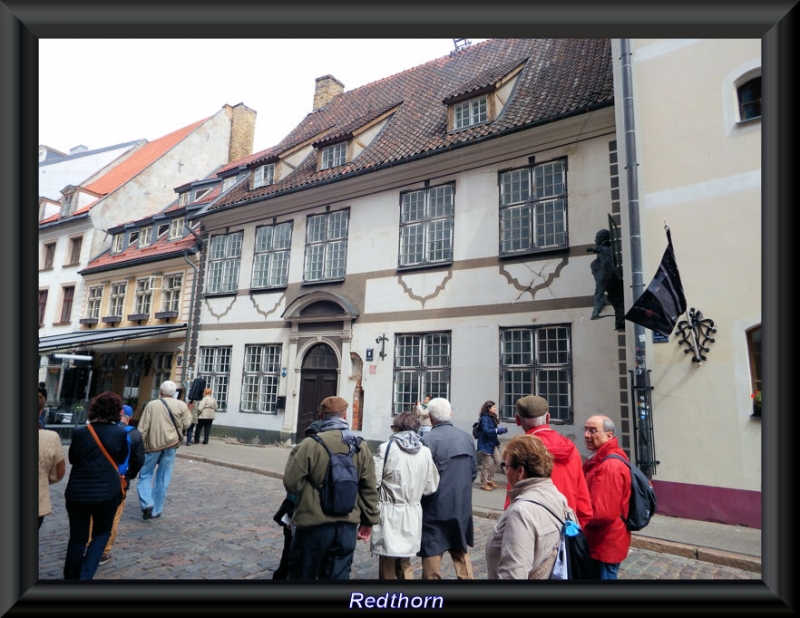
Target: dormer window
(176, 228)
(117, 243)
(183, 199)
(228, 182)
(162, 228)
(333, 156)
(201, 193)
(471, 112)
(264, 175)
(133, 237)
(146, 236)
(68, 200)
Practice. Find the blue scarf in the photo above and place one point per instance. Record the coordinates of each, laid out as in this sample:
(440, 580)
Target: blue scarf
(335, 422)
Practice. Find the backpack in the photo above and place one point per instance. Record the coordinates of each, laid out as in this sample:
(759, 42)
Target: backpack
(339, 490)
(573, 560)
(476, 429)
(643, 498)
(123, 467)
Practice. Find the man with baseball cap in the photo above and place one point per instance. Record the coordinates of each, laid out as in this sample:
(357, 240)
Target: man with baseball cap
(532, 414)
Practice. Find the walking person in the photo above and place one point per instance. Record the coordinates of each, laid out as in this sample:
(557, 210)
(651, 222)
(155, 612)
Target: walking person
(94, 491)
(447, 524)
(525, 540)
(324, 544)
(533, 415)
(162, 424)
(489, 445)
(609, 482)
(206, 411)
(52, 465)
(404, 472)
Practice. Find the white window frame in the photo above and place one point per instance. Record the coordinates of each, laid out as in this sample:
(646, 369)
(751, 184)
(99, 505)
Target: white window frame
(471, 112)
(214, 366)
(176, 228)
(422, 363)
(144, 296)
(224, 259)
(228, 182)
(199, 194)
(146, 236)
(183, 198)
(117, 243)
(95, 300)
(264, 175)
(326, 246)
(426, 226)
(171, 296)
(116, 300)
(333, 156)
(271, 256)
(261, 379)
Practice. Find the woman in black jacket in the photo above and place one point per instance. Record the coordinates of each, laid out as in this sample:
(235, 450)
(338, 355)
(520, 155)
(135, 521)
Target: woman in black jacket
(93, 491)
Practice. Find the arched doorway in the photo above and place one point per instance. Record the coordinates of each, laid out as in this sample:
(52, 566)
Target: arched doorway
(319, 376)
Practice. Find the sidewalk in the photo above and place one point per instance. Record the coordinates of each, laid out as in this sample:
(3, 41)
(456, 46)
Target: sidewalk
(734, 546)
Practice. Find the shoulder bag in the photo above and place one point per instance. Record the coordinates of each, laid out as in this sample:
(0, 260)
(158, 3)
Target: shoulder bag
(123, 483)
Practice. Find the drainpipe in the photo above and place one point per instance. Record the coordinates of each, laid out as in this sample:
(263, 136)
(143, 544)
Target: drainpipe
(643, 438)
(187, 370)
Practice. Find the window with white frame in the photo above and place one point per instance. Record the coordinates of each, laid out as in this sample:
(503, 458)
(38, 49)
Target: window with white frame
(421, 366)
(215, 368)
(117, 243)
(426, 226)
(201, 193)
(749, 95)
(162, 368)
(145, 238)
(332, 156)
(144, 296)
(176, 228)
(228, 182)
(224, 257)
(95, 297)
(271, 256)
(183, 198)
(264, 175)
(469, 113)
(162, 229)
(116, 304)
(533, 208)
(172, 291)
(326, 246)
(133, 237)
(260, 379)
(536, 361)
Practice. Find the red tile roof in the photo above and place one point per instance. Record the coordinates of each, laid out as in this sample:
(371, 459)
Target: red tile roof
(161, 249)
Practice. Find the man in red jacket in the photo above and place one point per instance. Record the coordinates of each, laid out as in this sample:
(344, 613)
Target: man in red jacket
(533, 416)
(609, 482)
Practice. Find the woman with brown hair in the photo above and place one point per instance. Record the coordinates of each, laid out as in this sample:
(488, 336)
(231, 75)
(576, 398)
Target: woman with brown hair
(526, 537)
(205, 416)
(488, 444)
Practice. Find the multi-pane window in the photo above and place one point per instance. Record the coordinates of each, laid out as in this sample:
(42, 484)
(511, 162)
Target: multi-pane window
(116, 303)
(536, 361)
(133, 376)
(749, 95)
(42, 305)
(68, 296)
(49, 255)
(145, 236)
(215, 368)
(421, 365)
(228, 182)
(262, 365)
(162, 366)
(172, 291)
(263, 176)
(106, 380)
(95, 297)
(333, 155)
(271, 256)
(224, 256)
(468, 113)
(176, 228)
(117, 243)
(183, 198)
(326, 246)
(533, 208)
(144, 296)
(426, 226)
(75, 245)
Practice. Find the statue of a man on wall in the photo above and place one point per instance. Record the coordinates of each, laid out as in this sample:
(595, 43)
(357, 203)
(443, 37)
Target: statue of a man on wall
(607, 280)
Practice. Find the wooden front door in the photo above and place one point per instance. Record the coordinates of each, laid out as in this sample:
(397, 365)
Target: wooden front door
(318, 379)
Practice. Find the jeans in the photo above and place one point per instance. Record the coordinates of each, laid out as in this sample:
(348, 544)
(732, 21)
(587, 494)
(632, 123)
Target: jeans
(81, 562)
(189, 434)
(604, 570)
(154, 478)
(204, 425)
(323, 552)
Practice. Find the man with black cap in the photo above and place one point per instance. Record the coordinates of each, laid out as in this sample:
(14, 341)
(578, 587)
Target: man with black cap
(532, 414)
(324, 544)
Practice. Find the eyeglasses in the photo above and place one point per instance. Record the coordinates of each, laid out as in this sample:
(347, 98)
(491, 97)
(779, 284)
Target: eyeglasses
(503, 467)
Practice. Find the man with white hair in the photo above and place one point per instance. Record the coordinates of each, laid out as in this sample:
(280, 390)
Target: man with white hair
(162, 425)
(447, 513)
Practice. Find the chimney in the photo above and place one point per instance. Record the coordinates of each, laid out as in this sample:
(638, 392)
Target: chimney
(243, 130)
(327, 87)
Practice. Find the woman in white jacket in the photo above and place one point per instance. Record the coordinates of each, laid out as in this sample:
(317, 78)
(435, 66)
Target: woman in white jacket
(205, 416)
(405, 472)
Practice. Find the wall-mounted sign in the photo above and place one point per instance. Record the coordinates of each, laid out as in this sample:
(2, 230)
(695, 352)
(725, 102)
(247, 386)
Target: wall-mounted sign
(370, 353)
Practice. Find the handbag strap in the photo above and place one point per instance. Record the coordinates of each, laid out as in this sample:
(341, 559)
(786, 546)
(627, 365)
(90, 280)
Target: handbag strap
(558, 519)
(102, 448)
(172, 418)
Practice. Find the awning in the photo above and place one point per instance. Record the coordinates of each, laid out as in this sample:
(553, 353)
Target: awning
(83, 338)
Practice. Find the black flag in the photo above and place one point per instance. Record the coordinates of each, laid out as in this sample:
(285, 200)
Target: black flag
(663, 301)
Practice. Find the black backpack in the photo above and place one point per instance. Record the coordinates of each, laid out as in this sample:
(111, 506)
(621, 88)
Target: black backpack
(476, 429)
(339, 491)
(643, 498)
(575, 545)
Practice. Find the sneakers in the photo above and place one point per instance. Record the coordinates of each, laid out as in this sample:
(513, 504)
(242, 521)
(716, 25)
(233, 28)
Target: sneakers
(105, 558)
(147, 513)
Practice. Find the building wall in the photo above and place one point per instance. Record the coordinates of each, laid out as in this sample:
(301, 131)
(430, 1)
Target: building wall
(699, 172)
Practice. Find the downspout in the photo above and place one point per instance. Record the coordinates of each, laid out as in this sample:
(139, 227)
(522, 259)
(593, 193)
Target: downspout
(189, 370)
(643, 437)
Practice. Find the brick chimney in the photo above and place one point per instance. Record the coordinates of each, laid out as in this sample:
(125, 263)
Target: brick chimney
(243, 130)
(327, 87)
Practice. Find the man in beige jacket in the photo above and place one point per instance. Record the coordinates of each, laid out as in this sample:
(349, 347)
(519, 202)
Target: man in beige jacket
(162, 425)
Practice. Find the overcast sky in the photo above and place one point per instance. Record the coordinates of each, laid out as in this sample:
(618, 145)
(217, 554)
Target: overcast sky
(101, 92)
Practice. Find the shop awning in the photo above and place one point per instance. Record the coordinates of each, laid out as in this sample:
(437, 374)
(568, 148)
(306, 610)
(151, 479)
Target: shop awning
(83, 338)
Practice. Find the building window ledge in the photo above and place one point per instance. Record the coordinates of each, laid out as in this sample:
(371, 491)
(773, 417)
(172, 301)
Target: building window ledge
(112, 319)
(89, 321)
(166, 315)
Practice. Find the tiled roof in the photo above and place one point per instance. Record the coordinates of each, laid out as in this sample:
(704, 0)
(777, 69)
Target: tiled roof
(560, 77)
(159, 250)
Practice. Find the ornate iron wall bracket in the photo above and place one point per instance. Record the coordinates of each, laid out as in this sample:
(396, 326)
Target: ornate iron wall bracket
(695, 333)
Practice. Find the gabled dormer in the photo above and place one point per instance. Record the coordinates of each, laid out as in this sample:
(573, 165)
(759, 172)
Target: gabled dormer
(344, 143)
(74, 199)
(482, 99)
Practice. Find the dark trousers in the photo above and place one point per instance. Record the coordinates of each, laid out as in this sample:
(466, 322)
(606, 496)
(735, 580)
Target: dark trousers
(323, 552)
(82, 561)
(204, 425)
(283, 568)
(189, 435)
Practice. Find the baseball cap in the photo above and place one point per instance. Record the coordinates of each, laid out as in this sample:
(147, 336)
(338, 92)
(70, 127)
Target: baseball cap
(127, 410)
